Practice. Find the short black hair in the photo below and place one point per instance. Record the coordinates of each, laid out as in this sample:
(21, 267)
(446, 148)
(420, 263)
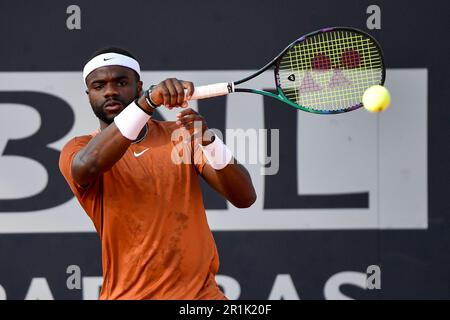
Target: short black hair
(115, 50)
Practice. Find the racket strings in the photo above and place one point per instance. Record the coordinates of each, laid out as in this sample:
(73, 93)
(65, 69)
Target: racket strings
(330, 71)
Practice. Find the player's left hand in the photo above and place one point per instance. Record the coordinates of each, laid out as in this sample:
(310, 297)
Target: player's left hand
(192, 121)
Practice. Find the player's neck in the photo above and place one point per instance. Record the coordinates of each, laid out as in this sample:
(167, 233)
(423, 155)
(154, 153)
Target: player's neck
(103, 125)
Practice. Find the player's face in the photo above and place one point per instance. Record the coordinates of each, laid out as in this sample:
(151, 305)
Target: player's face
(110, 90)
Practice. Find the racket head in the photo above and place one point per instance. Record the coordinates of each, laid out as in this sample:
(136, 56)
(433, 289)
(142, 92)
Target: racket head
(327, 71)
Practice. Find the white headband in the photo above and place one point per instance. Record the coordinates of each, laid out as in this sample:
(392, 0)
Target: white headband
(110, 59)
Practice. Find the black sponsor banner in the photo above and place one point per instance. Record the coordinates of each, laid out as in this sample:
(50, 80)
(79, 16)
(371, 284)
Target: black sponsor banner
(199, 35)
(277, 265)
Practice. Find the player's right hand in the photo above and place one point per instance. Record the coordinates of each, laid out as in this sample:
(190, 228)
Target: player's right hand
(172, 93)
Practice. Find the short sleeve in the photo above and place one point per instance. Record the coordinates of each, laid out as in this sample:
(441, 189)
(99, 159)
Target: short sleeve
(90, 197)
(65, 162)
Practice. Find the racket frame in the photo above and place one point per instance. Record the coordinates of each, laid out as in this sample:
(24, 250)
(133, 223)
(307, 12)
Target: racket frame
(276, 64)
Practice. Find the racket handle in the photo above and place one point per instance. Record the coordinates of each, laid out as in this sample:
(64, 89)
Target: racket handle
(212, 90)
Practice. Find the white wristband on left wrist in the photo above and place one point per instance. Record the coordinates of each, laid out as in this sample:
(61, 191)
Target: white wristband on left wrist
(217, 154)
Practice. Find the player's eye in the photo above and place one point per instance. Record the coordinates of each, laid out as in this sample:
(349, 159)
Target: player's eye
(122, 83)
(98, 87)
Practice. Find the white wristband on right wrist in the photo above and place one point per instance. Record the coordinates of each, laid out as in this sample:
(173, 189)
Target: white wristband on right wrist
(217, 154)
(131, 121)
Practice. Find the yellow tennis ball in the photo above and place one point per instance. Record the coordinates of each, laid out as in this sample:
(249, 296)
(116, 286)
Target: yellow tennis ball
(376, 98)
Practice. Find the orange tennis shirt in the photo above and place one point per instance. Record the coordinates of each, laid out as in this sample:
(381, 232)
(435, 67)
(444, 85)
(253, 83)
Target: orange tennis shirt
(148, 212)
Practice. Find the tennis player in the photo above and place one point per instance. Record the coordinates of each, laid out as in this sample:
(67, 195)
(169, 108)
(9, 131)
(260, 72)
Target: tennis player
(147, 208)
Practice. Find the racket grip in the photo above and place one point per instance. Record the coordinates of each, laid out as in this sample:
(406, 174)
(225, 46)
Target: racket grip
(212, 90)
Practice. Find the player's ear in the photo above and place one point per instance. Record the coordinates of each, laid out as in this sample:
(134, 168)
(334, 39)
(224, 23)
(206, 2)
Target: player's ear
(139, 87)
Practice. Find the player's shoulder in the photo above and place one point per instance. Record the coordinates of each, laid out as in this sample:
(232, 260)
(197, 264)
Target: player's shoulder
(70, 149)
(77, 142)
(162, 123)
(166, 126)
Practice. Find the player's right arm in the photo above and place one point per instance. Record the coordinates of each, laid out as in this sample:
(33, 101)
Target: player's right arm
(99, 155)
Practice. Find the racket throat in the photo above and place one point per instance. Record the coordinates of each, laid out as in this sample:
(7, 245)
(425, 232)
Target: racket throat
(231, 87)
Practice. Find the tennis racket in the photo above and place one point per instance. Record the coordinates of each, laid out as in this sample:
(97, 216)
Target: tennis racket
(324, 72)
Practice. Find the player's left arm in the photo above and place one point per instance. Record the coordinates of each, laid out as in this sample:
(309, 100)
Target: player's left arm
(233, 181)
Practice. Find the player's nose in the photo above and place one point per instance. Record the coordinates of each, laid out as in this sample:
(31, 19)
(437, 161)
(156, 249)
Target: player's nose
(110, 90)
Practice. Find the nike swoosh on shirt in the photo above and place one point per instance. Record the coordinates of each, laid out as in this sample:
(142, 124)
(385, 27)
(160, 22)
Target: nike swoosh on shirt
(139, 153)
